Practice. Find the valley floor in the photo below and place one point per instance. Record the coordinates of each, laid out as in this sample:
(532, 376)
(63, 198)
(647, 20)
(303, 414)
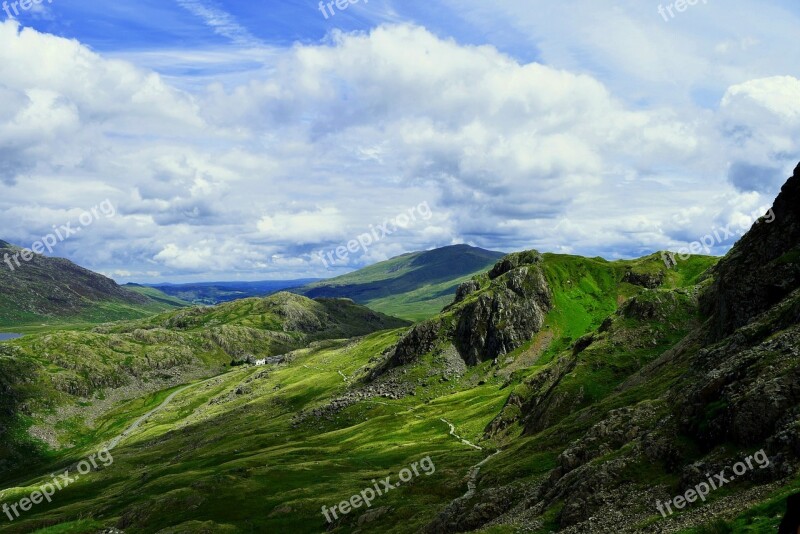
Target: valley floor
(232, 453)
(265, 448)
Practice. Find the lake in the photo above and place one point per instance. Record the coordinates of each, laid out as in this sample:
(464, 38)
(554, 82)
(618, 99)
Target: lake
(6, 337)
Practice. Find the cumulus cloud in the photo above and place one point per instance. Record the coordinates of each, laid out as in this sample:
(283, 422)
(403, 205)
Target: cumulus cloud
(254, 179)
(303, 227)
(761, 121)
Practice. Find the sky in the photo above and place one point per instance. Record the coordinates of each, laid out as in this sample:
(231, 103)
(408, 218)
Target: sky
(246, 140)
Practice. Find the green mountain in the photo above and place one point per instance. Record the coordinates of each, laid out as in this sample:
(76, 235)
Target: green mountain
(57, 385)
(158, 295)
(55, 291)
(412, 286)
(553, 393)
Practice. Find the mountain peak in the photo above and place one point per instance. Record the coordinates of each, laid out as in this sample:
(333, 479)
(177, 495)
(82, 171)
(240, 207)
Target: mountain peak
(414, 286)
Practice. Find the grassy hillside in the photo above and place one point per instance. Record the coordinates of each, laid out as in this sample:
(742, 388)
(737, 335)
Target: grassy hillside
(239, 439)
(412, 286)
(55, 385)
(287, 439)
(158, 295)
(55, 292)
(522, 435)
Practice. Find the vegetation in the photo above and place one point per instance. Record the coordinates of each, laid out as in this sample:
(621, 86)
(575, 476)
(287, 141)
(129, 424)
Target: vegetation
(317, 425)
(412, 286)
(211, 293)
(53, 292)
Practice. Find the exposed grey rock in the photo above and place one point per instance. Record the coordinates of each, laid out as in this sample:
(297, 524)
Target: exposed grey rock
(467, 288)
(762, 269)
(505, 316)
(646, 280)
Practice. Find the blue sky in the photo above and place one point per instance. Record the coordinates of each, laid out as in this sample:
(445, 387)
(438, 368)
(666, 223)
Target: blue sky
(238, 140)
(156, 25)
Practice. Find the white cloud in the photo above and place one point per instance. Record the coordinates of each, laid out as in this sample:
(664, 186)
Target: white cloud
(305, 227)
(221, 22)
(779, 95)
(252, 178)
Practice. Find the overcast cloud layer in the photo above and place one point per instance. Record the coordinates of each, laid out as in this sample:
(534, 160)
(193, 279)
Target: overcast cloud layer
(562, 126)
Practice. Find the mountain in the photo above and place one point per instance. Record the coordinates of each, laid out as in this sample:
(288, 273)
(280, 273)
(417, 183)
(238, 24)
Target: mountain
(211, 293)
(86, 373)
(680, 382)
(553, 393)
(56, 291)
(412, 286)
(157, 295)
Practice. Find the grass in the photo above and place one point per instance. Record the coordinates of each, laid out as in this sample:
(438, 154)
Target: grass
(421, 303)
(413, 286)
(257, 457)
(234, 453)
(72, 369)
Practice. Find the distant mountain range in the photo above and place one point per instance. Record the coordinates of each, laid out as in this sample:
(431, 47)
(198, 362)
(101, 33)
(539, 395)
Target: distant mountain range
(210, 293)
(412, 286)
(49, 291)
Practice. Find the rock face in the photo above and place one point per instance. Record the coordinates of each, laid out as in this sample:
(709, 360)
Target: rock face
(763, 267)
(500, 320)
(466, 289)
(491, 316)
(646, 280)
(420, 340)
(745, 388)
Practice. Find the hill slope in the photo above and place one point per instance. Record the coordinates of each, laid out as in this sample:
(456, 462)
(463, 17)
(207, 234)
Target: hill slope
(55, 385)
(55, 290)
(412, 286)
(157, 295)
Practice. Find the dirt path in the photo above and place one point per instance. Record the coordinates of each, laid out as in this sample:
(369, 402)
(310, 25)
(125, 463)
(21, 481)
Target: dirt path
(459, 438)
(472, 479)
(474, 471)
(114, 442)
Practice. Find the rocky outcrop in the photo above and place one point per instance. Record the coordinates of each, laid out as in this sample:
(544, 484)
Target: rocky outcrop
(746, 390)
(508, 314)
(494, 321)
(466, 289)
(727, 383)
(763, 267)
(646, 280)
(420, 340)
